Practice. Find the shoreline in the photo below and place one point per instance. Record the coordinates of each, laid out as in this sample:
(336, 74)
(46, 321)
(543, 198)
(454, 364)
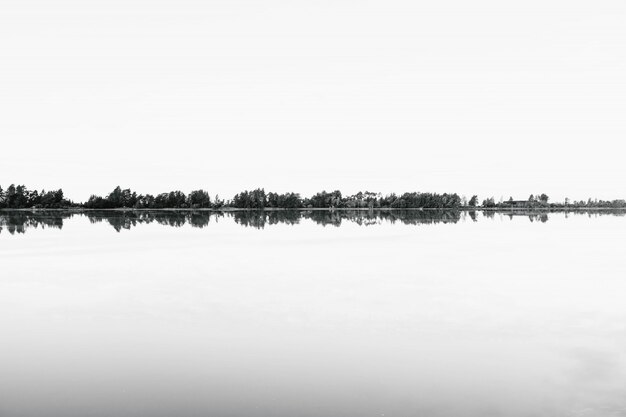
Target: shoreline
(279, 209)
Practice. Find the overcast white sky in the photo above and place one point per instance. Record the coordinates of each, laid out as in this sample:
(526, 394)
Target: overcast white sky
(489, 97)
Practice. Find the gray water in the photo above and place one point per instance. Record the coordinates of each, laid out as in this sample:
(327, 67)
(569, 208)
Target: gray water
(312, 314)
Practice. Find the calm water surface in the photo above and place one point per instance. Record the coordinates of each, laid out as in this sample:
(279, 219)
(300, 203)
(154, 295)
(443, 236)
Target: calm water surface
(312, 314)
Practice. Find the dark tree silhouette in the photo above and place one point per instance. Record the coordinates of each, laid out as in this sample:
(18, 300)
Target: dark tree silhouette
(18, 196)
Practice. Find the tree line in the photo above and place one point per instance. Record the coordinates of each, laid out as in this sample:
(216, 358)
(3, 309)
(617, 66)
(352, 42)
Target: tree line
(18, 196)
(542, 201)
(21, 197)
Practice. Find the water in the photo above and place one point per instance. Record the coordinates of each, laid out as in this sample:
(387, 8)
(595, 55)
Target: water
(312, 314)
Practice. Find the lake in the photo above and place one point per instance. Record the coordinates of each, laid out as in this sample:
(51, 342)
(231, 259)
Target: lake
(312, 313)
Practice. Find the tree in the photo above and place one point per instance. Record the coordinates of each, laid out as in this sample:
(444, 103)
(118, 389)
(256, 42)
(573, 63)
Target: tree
(199, 199)
(13, 197)
(489, 202)
(473, 201)
(58, 197)
(115, 197)
(217, 203)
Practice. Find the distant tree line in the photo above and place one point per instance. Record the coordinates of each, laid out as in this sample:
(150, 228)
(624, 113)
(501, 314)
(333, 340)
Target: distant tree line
(125, 198)
(20, 197)
(542, 201)
(258, 199)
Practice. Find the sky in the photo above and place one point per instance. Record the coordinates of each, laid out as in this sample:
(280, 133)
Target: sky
(494, 98)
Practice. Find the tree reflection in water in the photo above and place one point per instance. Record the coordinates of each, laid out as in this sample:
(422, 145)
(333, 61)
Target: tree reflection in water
(15, 221)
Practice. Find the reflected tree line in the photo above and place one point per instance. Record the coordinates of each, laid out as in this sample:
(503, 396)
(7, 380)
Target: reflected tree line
(19, 221)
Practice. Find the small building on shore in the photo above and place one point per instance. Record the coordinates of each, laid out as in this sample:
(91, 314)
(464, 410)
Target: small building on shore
(517, 203)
